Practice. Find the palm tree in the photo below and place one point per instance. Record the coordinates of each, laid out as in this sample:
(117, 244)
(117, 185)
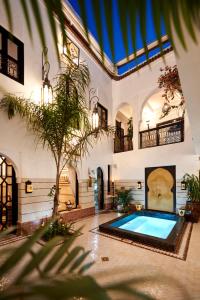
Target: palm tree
(132, 13)
(64, 125)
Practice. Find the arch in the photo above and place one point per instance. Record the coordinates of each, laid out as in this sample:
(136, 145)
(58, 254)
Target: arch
(121, 106)
(146, 99)
(17, 171)
(149, 95)
(151, 111)
(69, 189)
(8, 194)
(124, 128)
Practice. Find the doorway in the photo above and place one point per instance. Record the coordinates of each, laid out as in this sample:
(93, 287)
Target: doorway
(8, 194)
(99, 193)
(69, 189)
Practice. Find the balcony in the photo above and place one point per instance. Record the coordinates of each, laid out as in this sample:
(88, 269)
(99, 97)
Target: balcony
(168, 133)
(123, 144)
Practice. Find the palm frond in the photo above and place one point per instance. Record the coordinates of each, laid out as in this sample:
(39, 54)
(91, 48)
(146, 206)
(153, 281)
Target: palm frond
(174, 13)
(8, 11)
(58, 269)
(26, 16)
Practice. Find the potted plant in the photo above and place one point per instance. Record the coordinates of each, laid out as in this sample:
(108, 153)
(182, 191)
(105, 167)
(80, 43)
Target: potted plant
(193, 191)
(169, 82)
(181, 211)
(124, 197)
(130, 128)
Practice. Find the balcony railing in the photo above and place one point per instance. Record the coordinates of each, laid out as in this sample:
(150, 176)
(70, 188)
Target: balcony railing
(123, 144)
(163, 135)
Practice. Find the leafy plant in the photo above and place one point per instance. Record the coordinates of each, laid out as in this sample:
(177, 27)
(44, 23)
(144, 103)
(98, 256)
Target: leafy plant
(58, 272)
(193, 187)
(124, 197)
(169, 81)
(58, 228)
(130, 127)
(63, 126)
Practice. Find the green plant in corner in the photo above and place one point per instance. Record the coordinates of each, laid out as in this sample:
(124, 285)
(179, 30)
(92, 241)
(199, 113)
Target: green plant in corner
(124, 197)
(62, 126)
(193, 187)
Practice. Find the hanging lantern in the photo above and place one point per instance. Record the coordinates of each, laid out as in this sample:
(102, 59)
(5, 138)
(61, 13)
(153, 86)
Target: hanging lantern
(47, 91)
(95, 118)
(95, 100)
(166, 108)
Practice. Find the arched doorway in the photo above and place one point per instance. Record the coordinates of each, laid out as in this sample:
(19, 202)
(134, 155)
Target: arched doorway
(69, 189)
(8, 194)
(100, 189)
(161, 124)
(77, 190)
(124, 129)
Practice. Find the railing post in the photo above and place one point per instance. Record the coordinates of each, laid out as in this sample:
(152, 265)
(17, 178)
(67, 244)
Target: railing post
(157, 137)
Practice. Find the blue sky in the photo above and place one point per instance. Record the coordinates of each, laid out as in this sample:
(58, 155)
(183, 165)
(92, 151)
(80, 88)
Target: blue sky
(120, 52)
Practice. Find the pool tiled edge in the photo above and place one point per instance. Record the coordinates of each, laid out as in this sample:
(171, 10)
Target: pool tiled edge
(168, 244)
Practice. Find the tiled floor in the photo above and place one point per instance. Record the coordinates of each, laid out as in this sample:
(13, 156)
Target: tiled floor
(173, 278)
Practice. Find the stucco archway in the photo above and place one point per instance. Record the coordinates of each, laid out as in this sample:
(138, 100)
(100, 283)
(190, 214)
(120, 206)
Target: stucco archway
(8, 194)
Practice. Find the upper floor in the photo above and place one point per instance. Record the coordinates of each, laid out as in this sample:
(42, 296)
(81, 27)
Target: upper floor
(132, 103)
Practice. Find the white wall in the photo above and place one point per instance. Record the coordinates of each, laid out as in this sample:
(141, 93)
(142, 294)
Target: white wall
(18, 142)
(37, 164)
(31, 161)
(188, 62)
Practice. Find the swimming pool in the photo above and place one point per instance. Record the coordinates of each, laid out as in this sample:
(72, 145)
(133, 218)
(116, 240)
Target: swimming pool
(159, 229)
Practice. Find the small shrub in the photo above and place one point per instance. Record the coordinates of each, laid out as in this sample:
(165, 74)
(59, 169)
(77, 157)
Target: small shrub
(58, 228)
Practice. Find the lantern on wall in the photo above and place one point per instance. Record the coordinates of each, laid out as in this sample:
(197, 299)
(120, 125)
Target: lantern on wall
(139, 185)
(28, 187)
(95, 118)
(47, 91)
(183, 185)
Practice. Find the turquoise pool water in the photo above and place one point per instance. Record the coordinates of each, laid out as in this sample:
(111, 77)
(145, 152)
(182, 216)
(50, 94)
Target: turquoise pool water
(156, 227)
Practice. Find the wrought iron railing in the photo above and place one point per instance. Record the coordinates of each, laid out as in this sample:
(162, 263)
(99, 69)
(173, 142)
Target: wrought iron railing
(122, 144)
(163, 135)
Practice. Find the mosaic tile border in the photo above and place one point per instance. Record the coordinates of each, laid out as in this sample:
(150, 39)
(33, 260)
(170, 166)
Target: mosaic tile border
(12, 239)
(178, 255)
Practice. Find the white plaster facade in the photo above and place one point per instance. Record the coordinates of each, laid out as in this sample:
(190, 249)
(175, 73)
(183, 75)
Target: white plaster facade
(36, 164)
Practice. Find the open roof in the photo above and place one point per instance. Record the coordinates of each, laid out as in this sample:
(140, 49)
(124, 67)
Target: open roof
(120, 53)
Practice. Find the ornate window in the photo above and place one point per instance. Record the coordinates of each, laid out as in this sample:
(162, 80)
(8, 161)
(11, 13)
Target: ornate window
(103, 116)
(71, 51)
(11, 56)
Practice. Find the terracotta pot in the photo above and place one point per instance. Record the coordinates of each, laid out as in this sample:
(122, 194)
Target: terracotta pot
(138, 206)
(194, 207)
